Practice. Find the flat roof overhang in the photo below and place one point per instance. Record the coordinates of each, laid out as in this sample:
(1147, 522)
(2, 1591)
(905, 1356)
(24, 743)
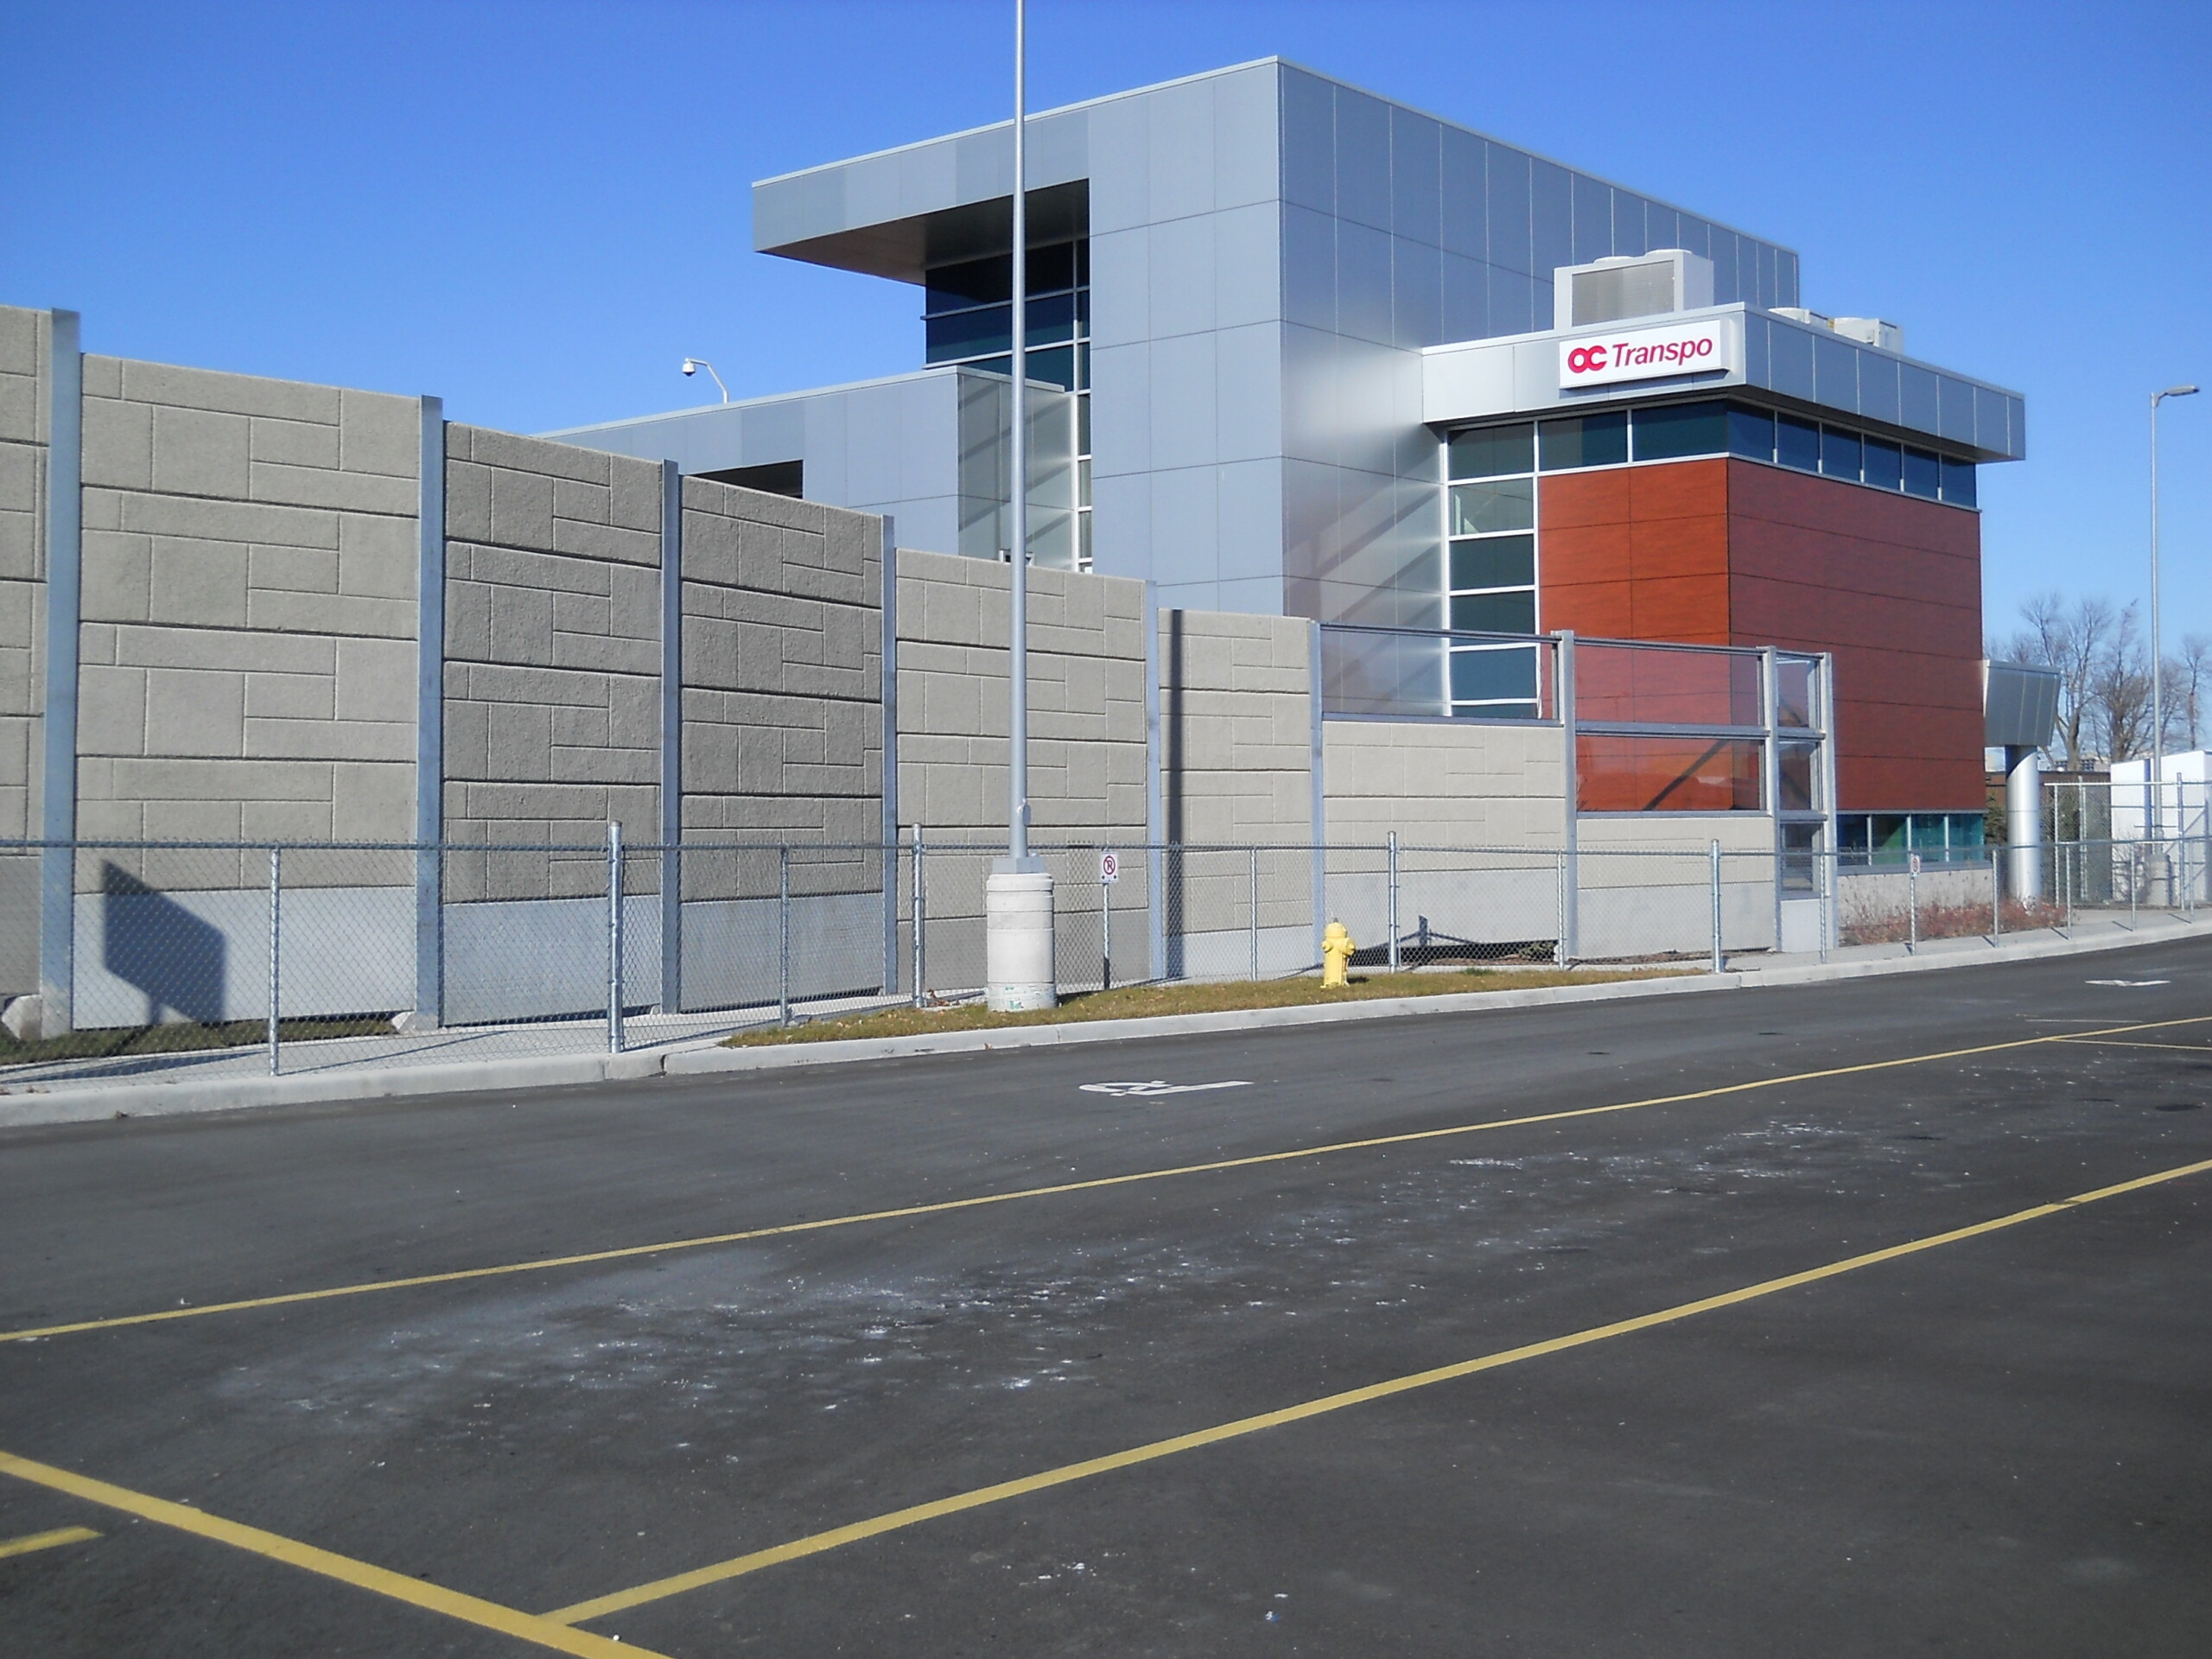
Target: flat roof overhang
(904, 249)
(1775, 361)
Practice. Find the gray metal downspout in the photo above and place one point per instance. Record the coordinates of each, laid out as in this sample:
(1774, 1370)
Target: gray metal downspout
(1155, 799)
(672, 737)
(64, 457)
(890, 763)
(1318, 811)
(431, 720)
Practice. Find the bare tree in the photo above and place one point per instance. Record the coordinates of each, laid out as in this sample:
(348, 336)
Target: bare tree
(2188, 677)
(2119, 691)
(2076, 638)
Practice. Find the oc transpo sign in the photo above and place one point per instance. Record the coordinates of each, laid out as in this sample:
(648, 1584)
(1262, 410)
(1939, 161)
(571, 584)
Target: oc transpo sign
(1647, 354)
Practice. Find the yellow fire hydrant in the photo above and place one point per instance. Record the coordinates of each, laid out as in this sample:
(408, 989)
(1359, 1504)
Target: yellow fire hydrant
(1336, 953)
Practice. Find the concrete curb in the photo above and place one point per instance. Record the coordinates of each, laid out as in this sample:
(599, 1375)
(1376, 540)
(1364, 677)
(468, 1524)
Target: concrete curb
(79, 1104)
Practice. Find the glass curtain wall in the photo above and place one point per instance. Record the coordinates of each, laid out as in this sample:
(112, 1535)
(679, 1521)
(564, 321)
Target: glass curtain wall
(968, 318)
(1491, 526)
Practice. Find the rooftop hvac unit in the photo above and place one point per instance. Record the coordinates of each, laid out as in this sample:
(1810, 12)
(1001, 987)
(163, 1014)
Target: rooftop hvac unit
(1646, 285)
(1867, 331)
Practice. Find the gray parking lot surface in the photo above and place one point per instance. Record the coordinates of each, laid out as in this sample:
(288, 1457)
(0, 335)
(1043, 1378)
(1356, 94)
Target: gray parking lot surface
(873, 1415)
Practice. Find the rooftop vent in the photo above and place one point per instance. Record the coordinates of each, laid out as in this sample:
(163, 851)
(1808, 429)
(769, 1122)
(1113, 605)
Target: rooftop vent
(1646, 285)
(1867, 331)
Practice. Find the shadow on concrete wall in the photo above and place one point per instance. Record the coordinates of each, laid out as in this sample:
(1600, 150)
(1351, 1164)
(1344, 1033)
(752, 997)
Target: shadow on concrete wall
(155, 945)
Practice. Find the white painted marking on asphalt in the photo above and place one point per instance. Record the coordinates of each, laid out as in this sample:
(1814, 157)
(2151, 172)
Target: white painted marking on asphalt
(2129, 984)
(1157, 1086)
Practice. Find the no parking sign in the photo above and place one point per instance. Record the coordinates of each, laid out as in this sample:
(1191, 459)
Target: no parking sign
(1110, 868)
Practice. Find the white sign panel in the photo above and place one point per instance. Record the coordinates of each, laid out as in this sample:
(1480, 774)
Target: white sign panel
(1647, 354)
(1110, 868)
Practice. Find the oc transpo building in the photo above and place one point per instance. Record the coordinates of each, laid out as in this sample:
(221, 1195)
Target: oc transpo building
(1297, 349)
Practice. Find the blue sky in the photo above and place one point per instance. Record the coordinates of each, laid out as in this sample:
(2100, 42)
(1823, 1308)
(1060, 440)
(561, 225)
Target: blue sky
(535, 211)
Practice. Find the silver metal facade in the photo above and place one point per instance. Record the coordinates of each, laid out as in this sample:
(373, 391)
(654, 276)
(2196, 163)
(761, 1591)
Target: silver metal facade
(1270, 251)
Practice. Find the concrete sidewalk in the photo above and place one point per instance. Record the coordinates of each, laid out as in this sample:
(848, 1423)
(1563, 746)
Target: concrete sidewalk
(67, 1100)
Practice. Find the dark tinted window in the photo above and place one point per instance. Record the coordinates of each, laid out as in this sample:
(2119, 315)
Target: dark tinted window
(1494, 613)
(1050, 268)
(1054, 364)
(1922, 474)
(1681, 430)
(1841, 456)
(1884, 465)
(977, 282)
(1751, 433)
(1958, 482)
(1797, 443)
(1586, 441)
(1488, 675)
(1495, 562)
(966, 333)
(1491, 451)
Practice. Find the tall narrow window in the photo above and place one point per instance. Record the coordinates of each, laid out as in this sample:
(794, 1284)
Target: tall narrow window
(1491, 568)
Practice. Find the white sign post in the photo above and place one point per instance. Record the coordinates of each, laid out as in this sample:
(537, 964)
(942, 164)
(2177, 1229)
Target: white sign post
(1109, 872)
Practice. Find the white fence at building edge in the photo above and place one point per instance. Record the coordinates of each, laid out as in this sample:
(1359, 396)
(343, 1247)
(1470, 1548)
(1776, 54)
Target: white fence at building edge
(119, 959)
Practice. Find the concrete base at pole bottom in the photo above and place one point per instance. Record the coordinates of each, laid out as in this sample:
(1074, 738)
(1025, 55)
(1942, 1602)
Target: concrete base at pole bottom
(1018, 938)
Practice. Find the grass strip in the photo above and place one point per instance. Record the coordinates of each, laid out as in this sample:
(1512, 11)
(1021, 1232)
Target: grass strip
(1148, 1002)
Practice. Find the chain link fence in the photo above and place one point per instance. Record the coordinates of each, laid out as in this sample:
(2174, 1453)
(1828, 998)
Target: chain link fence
(121, 959)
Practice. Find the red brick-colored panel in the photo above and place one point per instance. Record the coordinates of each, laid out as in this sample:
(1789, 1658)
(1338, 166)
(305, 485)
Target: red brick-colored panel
(1565, 499)
(1686, 489)
(1687, 610)
(1678, 547)
(1666, 774)
(1597, 608)
(1782, 497)
(1893, 586)
(1585, 554)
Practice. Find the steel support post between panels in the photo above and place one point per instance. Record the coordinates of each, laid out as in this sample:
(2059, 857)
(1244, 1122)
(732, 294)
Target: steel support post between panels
(1570, 877)
(1770, 770)
(887, 557)
(428, 1012)
(672, 738)
(1832, 921)
(65, 432)
(1155, 798)
(1317, 810)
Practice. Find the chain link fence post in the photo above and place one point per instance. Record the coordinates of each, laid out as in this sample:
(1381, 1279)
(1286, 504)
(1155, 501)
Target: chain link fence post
(1717, 950)
(1392, 849)
(276, 950)
(1996, 901)
(1252, 856)
(1912, 902)
(613, 937)
(920, 910)
(783, 936)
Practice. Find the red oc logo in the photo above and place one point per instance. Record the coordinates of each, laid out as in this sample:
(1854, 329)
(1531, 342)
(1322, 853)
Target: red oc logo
(1583, 358)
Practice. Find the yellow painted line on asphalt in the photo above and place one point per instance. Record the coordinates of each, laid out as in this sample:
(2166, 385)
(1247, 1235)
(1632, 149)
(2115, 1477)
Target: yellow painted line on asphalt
(898, 1520)
(30, 1542)
(396, 1586)
(948, 1206)
(2171, 1048)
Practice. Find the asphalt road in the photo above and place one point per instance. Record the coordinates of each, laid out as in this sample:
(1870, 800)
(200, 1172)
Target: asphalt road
(1989, 1444)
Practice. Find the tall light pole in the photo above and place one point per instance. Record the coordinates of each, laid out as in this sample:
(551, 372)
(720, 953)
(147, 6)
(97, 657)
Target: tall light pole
(1017, 837)
(2157, 675)
(1018, 895)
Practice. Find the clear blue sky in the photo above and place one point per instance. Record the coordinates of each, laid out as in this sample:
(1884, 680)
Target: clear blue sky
(537, 210)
